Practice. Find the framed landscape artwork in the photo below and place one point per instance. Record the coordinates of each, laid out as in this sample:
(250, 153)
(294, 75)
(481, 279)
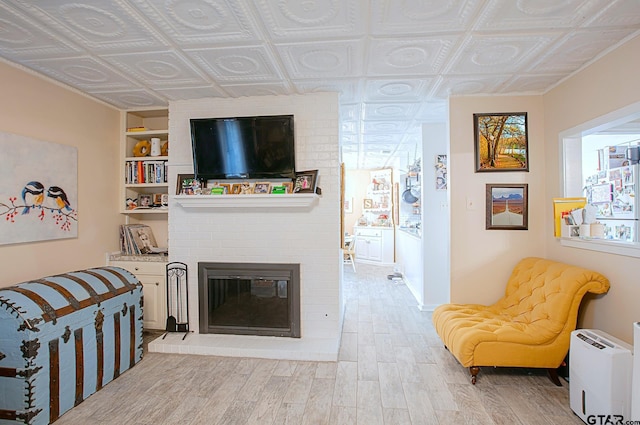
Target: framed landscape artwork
(507, 207)
(501, 142)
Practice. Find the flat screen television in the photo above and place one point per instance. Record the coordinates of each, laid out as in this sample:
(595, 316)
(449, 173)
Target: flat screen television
(260, 147)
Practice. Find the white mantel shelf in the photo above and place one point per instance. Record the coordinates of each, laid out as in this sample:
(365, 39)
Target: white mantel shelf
(296, 200)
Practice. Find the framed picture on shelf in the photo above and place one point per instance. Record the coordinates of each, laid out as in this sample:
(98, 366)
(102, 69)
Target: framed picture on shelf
(507, 207)
(236, 188)
(261, 187)
(246, 188)
(145, 201)
(185, 184)
(226, 187)
(278, 189)
(501, 142)
(157, 199)
(306, 181)
(164, 200)
(289, 186)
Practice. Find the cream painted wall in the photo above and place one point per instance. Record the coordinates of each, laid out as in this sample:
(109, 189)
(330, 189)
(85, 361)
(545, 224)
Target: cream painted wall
(39, 109)
(607, 85)
(482, 260)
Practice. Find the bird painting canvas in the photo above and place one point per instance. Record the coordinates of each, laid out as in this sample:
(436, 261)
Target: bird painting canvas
(38, 190)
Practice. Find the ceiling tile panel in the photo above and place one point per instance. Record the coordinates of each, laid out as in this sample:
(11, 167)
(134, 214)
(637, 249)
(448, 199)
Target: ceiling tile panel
(348, 90)
(490, 54)
(468, 85)
(503, 15)
(130, 99)
(389, 90)
(529, 84)
(386, 127)
(158, 69)
(256, 89)
(96, 25)
(201, 22)
(337, 59)
(26, 38)
(577, 49)
(83, 73)
(248, 64)
(186, 93)
(390, 111)
(415, 57)
(617, 13)
(392, 17)
(302, 20)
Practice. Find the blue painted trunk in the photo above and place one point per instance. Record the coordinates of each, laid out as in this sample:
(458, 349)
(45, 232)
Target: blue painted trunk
(64, 337)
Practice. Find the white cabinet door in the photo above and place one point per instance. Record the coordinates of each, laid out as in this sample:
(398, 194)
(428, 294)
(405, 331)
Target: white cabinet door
(369, 248)
(375, 249)
(154, 301)
(154, 289)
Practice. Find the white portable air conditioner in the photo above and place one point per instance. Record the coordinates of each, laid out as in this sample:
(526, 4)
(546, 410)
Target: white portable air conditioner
(635, 386)
(600, 368)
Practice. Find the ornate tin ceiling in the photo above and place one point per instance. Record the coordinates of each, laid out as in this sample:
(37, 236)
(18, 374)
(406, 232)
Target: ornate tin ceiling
(394, 62)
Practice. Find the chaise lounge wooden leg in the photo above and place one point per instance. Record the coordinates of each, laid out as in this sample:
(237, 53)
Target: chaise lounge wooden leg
(553, 375)
(475, 370)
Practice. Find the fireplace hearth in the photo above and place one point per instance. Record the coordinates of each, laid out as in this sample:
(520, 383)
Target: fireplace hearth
(249, 299)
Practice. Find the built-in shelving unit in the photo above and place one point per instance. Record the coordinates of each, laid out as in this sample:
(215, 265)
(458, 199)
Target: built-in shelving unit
(143, 178)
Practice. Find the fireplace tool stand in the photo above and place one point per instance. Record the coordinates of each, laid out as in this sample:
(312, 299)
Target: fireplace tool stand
(177, 299)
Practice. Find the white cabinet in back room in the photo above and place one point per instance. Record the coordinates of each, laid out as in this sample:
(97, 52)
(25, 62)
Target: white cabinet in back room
(375, 245)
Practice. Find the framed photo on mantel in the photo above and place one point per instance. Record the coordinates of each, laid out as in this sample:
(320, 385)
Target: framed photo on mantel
(306, 181)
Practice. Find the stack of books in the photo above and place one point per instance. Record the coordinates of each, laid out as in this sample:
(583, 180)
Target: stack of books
(137, 239)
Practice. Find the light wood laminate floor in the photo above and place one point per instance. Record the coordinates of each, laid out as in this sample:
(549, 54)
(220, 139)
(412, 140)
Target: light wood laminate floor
(392, 369)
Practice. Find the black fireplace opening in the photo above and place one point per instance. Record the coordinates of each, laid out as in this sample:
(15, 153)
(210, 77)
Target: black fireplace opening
(249, 298)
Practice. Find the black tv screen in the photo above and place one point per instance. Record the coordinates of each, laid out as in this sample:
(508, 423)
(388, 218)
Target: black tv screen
(243, 147)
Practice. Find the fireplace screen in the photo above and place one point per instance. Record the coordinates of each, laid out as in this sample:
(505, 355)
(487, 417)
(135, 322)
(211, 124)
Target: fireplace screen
(249, 298)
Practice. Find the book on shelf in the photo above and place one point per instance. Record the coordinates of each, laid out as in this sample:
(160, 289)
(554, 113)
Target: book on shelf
(147, 171)
(137, 239)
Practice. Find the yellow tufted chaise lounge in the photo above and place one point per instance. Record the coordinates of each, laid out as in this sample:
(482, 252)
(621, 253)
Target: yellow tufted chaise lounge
(529, 327)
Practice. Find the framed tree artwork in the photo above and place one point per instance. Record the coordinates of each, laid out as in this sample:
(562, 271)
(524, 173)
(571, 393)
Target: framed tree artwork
(507, 207)
(501, 142)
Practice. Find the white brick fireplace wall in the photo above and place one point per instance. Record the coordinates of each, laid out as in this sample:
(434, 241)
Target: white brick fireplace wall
(308, 236)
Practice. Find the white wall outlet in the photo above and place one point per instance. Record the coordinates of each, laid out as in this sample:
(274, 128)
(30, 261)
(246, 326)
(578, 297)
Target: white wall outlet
(471, 203)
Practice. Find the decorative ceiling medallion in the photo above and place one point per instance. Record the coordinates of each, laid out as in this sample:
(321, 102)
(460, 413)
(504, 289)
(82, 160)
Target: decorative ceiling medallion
(238, 65)
(543, 7)
(11, 33)
(320, 60)
(158, 69)
(136, 100)
(389, 110)
(91, 20)
(495, 55)
(85, 73)
(420, 10)
(395, 89)
(309, 12)
(201, 15)
(382, 126)
(406, 57)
